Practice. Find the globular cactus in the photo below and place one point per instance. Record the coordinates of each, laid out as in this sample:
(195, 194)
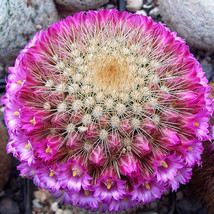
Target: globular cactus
(107, 109)
(202, 183)
(5, 159)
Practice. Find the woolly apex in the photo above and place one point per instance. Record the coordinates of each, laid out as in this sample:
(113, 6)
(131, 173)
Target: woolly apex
(107, 109)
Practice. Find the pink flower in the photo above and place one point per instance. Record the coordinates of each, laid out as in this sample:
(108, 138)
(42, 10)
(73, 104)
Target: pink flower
(47, 176)
(109, 187)
(26, 171)
(107, 110)
(12, 114)
(21, 148)
(167, 168)
(148, 191)
(85, 199)
(122, 204)
(191, 151)
(182, 177)
(72, 176)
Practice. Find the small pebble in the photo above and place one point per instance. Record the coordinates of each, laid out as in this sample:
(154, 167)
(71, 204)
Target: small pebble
(67, 211)
(141, 12)
(146, 6)
(154, 12)
(2, 109)
(59, 211)
(134, 5)
(54, 206)
(37, 210)
(40, 195)
(149, 1)
(36, 203)
(38, 27)
(110, 6)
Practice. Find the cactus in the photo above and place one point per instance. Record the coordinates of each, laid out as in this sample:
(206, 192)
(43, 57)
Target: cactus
(202, 182)
(107, 109)
(5, 159)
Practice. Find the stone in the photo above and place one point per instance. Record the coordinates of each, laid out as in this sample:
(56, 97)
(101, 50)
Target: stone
(54, 206)
(149, 1)
(141, 12)
(5, 158)
(154, 12)
(78, 5)
(36, 203)
(147, 6)
(192, 20)
(134, 5)
(40, 195)
(20, 20)
(67, 211)
(59, 211)
(110, 6)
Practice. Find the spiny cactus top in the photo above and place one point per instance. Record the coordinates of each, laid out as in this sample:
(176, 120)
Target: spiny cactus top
(107, 109)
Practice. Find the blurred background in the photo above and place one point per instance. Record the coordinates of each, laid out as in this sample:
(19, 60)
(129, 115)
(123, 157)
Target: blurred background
(21, 19)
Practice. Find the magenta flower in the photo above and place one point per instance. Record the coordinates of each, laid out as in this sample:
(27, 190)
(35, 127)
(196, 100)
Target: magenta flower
(182, 177)
(107, 109)
(148, 191)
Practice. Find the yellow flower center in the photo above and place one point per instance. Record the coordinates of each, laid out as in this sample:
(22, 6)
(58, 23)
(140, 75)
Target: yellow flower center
(16, 113)
(196, 124)
(147, 186)
(19, 82)
(51, 173)
(190, 148)
(28, 146)
(86, 192)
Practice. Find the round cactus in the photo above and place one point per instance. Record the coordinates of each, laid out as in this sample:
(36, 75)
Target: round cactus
(202, 182)
(107, 109)
(5, 159)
